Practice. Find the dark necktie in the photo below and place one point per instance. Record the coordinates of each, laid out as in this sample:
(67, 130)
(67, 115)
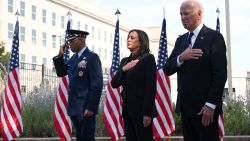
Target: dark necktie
(189, 39)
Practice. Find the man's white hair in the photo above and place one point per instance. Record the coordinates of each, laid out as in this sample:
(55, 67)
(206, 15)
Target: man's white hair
(197, 5)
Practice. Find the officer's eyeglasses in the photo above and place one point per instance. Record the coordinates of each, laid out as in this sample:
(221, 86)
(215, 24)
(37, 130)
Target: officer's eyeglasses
(70, 41)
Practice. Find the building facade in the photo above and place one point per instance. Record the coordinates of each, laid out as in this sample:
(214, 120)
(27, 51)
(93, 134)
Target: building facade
(43, 23)
(42, 30)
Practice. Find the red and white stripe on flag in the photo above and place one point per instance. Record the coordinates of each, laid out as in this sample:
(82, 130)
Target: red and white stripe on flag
(61, 119)
(11, 120)
(112, 112)
(221, 125)
(163, 124)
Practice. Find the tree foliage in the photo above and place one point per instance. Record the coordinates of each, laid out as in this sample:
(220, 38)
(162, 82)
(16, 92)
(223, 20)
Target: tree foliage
(4, 58)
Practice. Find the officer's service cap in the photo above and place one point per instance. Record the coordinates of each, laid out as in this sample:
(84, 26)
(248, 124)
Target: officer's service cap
(72, 34)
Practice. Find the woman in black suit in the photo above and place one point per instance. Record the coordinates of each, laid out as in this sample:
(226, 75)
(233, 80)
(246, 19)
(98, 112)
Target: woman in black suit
(137, 76)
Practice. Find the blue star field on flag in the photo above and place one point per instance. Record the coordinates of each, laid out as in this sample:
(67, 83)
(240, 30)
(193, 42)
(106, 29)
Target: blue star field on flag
(116, 52)
(162, 53)
(14, 60)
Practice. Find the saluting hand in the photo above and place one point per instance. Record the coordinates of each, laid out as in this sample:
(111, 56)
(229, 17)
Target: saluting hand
(190, 53)
(130, 65)
(61, 49)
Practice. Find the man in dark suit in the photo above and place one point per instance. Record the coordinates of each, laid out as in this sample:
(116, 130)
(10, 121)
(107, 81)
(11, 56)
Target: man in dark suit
(199, 58)
(85, 83)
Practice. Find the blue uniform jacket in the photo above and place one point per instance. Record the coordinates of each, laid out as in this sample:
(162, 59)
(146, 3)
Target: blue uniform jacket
(85, 82)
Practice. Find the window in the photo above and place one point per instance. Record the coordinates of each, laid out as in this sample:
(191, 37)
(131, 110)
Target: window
(99, 34)
(54, 41)
(105, 54)
(33, 12)
(10, 30)
(44, 16)
(33, 36)
(53, 19)
(22, 33)
(86, 27)
(10, 6)
(100, 52)
(93, 32)
(121, 41)
(111, 54)
(105, 36)
(111, 38)
(79, 25)
(44, 61)
(62, 40)
(44, 39)
(22, 61)
(33, 62)
(62, 22)
(22, 8)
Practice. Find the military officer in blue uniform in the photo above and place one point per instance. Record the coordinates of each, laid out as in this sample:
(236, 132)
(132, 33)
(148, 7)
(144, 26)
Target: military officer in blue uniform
(85, 83)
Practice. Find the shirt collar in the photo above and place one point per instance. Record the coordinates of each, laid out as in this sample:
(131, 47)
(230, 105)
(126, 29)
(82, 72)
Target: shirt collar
(197, 30)
(81, 51)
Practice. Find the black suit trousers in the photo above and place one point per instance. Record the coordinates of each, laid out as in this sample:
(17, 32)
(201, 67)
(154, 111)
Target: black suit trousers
(85, 127)
(194, 130)
(135, 131)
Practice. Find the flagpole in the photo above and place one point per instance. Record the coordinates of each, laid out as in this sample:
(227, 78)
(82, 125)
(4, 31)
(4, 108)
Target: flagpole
(169, 138)
(229, 67)
(163, 11)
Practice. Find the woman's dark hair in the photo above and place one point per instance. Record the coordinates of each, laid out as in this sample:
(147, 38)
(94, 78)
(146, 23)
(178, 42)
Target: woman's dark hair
(143, 40)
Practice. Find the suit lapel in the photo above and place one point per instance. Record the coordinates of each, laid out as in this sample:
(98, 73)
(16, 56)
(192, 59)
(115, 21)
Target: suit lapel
(184, 44)
(200, 38)
(84, 53)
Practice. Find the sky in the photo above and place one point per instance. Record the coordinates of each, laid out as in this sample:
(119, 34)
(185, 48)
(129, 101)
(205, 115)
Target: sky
(148, 13)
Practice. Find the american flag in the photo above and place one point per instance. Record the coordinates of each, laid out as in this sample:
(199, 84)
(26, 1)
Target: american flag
(218, 24)
(112, 109)
(61, 119)
(163, 124)
(221, 116)
(11, 118)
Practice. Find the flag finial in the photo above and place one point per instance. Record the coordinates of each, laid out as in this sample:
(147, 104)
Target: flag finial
(69, 14)
(117, 13)
(17, 14)
(218, 11)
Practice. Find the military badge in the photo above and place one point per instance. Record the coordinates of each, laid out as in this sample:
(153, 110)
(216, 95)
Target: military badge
(82, 64)
(80, 74)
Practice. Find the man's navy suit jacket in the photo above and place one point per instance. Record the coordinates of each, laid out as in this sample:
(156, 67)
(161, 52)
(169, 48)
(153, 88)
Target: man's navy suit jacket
(202, 80)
